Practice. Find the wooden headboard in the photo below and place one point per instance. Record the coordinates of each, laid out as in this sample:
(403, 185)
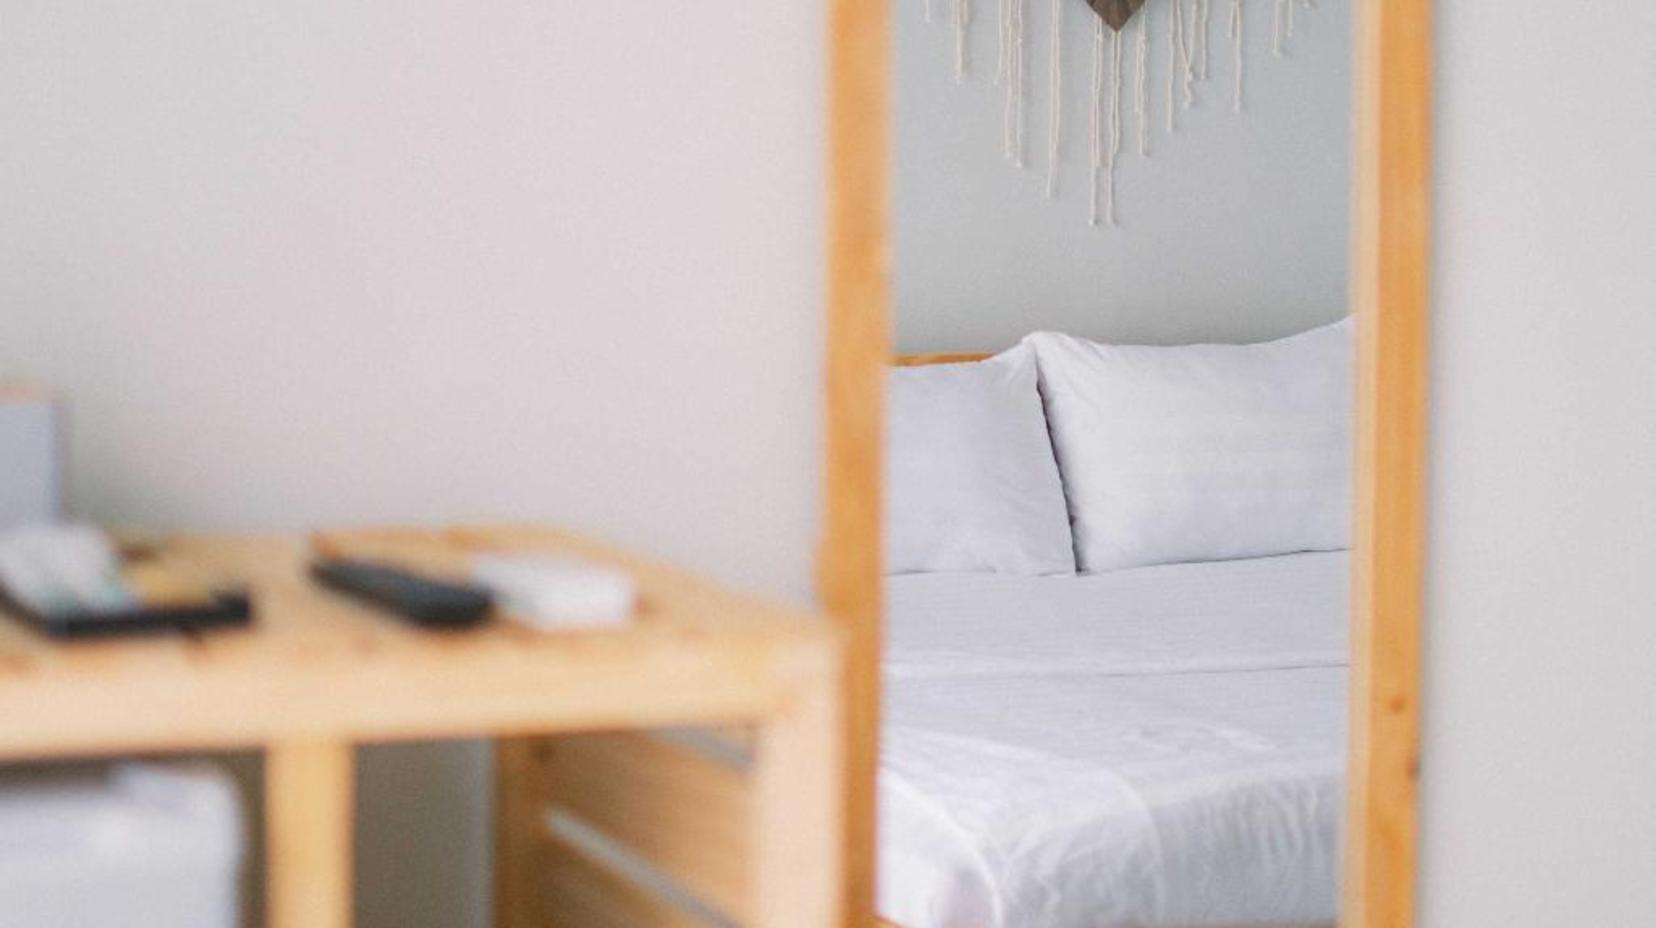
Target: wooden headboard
(920, 360)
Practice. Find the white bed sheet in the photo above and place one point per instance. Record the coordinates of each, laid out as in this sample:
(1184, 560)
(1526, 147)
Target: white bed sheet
(1153, 747)
(1253, 614)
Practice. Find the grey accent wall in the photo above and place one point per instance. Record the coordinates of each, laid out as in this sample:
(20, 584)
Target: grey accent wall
(1234, 229)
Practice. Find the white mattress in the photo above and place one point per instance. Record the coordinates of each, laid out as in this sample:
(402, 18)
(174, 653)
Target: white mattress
(1155, 747)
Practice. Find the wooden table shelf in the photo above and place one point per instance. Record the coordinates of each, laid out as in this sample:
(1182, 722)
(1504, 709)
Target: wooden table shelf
(317, 674)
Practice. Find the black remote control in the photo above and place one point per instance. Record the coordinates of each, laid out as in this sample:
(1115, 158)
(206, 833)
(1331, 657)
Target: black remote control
(419, 599)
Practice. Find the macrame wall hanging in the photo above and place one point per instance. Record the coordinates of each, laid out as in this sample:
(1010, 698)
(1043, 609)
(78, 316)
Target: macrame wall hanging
(1185, 30)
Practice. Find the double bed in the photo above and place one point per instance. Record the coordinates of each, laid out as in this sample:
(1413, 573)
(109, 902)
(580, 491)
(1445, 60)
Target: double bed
(1159, 747)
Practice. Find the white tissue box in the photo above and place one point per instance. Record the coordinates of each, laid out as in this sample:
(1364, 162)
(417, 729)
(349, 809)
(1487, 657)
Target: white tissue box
(557, 594)
(29, 489)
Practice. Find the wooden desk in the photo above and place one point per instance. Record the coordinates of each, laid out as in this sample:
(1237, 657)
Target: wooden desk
(318, 674)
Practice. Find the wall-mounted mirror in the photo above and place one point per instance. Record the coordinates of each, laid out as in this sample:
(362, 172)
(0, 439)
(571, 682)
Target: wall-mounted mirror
(1117, 630)
(1090, 379)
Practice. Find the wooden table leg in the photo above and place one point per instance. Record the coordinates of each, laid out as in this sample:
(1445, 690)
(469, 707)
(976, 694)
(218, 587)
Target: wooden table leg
(309, 812)
(517, 823)
(797, 776)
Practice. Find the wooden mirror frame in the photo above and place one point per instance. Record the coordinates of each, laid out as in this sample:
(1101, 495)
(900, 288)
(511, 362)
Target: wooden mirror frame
(1391, 240)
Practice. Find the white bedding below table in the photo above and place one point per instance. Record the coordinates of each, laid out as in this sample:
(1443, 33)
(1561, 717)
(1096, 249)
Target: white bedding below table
(1158, 748)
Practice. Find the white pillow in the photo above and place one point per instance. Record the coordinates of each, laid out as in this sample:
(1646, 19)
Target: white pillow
(971, 484)
(1202, 452)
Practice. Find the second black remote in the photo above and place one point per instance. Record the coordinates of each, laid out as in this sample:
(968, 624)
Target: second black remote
(424, 601)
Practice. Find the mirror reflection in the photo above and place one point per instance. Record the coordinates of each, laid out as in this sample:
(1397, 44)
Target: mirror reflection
(1119, 465)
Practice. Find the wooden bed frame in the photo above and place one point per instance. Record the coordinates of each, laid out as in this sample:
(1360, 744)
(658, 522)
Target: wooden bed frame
(956, 357)
(682, 796)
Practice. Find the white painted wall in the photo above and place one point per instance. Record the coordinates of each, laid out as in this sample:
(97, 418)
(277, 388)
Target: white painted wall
(1540, 742)
(1234, 229)
(213, 214)
(309, 262)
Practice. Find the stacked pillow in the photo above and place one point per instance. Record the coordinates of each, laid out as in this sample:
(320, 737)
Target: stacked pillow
(1156, 454)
